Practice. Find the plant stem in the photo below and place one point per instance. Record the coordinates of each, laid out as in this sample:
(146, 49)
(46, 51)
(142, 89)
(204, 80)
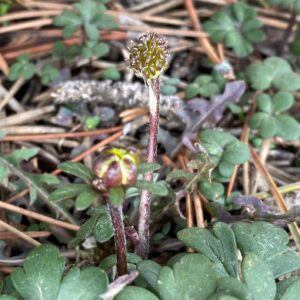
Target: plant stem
(146, 197)
(120, 239)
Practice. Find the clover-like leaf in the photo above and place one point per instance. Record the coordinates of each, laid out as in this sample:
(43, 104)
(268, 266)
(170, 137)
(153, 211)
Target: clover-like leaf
(86, 284)
(270, 243)
(237, 26)
(22, 68)
(192, 277)
(40, 276)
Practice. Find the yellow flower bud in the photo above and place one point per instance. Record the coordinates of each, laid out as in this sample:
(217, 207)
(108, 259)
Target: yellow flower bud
(116, 167)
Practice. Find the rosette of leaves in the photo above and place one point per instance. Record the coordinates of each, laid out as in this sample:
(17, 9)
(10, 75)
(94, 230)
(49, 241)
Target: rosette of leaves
(48, 74)
(203, 85)
(22, 68)
(286, 4)
(88, 16)
(42, 277)
(271, 119)
(237, 27)
(273, 72)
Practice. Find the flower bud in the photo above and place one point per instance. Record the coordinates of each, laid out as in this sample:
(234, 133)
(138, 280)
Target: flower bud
(148, 57)
(116, 168)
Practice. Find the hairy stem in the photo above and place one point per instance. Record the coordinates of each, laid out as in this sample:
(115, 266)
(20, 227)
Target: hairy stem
(120, 239)
(146, 197)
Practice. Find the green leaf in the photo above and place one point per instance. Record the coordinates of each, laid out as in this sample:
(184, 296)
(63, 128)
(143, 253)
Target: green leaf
(111, 74)
(68, 191)
(270, 243)
(283, 285)
(86, 199)
(289, 82)
(292, 292)
(236, 153)
(77, 169)
(68, 17)
(92, 122)
(6, 297)
(191, 90)
(179, 174)
(264, 103)
(287, 127)
(267, 127)
(156, 188)
(87, 284)
(258, 277)
(219, 246)
(209, 90)
(136, 293)
(149, 270)
(22, 154)
(99, 225)
(148, 167)
(282, 101)
(212, 190)
(259, 76)
(237, 26)
(91, 31)
(192, 278)
(217, 137)
(111, 260)
(225, 235)
(172, 81)
(277, 66)
(233, 287)
(40, 276)
(203, 80)
(167, 89)
(49, 179)
(101, 49)
(225, 168)
(116, 195)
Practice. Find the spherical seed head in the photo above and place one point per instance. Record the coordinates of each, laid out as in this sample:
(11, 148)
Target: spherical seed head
(116, 167)
(148, 57)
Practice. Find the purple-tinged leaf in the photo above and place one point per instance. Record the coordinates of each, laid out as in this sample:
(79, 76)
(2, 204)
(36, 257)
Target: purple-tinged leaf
(253, 202)
(190, 112)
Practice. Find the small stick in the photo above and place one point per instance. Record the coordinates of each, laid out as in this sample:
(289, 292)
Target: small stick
(60, 135)
(16, 86)
(293, 227)
(164, 31)
(38, 216)
(19, 233)
(203, 40)
(5, 235)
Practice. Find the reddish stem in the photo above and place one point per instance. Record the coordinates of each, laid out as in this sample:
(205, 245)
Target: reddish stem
(146, 197)
(120, 239)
